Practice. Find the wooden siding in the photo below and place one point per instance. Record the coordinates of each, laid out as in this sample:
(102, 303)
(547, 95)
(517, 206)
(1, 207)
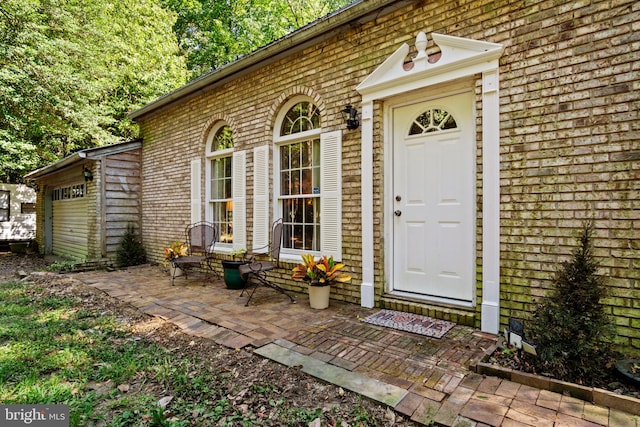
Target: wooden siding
(121, 204)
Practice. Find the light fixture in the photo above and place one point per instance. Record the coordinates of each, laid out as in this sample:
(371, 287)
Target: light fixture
(350, 116)
(88, 176)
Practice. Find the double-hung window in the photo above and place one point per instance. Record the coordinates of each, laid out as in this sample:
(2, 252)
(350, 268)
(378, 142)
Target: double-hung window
(220, 198)
(307, 180)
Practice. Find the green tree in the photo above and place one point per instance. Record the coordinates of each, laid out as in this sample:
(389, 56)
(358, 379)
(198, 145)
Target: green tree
(130, 251)
(572, 331)
(214, 33)
(70, 71)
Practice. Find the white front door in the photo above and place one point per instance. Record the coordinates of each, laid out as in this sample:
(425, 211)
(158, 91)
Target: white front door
(433, 199)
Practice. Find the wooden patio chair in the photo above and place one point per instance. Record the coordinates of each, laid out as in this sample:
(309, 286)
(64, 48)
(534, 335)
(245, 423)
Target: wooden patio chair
(201, 238)
(258, 269)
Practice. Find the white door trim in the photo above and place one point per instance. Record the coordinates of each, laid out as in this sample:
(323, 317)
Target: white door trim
(460, 58)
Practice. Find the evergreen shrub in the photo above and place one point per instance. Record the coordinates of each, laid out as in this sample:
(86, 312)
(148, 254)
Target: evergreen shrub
(571, 329)
(131, 252)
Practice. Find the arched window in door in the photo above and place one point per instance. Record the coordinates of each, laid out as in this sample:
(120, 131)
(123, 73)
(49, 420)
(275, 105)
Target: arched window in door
(432, 120)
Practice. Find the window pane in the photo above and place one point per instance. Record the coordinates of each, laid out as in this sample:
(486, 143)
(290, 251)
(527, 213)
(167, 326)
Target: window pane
(301, 216)
(302, 117)
(285, 157)
(223, 219)
(227, 188)
(285, 181)
(295, 156)
(223, 139)
(221, 178)
(307, 182)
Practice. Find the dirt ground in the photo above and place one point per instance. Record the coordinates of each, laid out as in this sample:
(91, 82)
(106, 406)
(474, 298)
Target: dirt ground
(294, 385)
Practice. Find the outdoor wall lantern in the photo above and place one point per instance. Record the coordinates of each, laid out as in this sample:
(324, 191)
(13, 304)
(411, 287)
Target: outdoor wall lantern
(88, 176)
(350, 116)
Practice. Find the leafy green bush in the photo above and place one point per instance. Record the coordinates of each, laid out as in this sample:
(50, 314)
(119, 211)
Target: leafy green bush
(131, 251)
(573, 333)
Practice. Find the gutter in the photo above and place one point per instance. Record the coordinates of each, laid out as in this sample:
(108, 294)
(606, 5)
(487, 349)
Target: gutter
(357, 13)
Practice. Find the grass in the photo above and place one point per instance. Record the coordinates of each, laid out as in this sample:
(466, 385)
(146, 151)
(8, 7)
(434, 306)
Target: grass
(53, 350)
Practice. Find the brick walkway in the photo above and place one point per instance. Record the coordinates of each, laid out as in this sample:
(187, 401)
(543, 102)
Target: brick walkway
(425, 379)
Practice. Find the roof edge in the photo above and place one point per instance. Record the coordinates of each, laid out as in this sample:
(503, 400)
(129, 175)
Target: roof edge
(87, 153)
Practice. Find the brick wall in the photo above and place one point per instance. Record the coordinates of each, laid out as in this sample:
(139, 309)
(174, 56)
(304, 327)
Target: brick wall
(570, 135)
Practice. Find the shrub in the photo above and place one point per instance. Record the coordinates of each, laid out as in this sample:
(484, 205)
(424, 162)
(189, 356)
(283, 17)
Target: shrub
(572, 331)
(130, 252)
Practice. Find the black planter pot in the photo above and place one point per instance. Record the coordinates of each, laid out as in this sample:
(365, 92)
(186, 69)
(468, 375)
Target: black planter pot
(628, 368)
(232, 277)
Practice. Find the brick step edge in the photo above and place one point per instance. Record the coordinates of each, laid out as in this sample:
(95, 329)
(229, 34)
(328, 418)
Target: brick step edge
(594, 395)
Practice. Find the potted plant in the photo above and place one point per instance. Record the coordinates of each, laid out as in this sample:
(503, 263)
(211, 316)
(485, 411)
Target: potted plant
(175, 250)
(232, 277)
(319, 275)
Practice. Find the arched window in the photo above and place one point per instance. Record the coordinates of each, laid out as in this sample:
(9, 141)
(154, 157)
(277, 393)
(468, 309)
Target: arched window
(220, 180)
(307, 181)
(298, 174)
(432, 120)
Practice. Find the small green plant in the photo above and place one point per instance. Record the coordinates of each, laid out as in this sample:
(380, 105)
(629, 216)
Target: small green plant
(572, 331)
(238, 253)
(63, 265)
(130, 252)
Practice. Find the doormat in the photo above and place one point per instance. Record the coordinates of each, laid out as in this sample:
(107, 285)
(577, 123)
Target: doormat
(410, 322)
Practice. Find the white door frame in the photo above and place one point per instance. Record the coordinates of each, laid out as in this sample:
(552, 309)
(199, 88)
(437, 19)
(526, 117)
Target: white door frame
(460, 58)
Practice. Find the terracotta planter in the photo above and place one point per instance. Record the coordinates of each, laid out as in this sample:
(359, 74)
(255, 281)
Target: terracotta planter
(319, 296)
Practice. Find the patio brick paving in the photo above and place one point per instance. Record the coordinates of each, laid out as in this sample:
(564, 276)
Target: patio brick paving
(426, 379)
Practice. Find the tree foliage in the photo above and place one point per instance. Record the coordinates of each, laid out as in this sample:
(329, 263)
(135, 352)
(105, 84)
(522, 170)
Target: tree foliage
(571, 329)
(213, 33)
(70, 71)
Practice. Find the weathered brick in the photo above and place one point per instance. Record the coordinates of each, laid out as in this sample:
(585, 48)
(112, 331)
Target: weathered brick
(568, 136)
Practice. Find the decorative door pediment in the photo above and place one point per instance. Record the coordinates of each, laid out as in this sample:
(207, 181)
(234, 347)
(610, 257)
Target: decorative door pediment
(458, 57)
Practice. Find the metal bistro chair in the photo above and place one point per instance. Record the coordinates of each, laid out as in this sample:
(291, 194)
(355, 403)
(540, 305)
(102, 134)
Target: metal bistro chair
(259, 269)
(201, 238)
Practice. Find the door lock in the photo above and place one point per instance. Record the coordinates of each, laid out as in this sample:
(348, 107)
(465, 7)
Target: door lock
(398, 198)
(398, 213)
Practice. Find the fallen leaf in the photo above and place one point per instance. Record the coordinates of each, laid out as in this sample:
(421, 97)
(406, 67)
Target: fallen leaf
(164, 401)
(390, 415)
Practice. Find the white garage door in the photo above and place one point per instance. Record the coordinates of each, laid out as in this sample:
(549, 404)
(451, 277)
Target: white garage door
(70, 228)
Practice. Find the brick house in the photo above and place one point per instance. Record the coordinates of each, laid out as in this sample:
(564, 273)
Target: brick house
(489, 132)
